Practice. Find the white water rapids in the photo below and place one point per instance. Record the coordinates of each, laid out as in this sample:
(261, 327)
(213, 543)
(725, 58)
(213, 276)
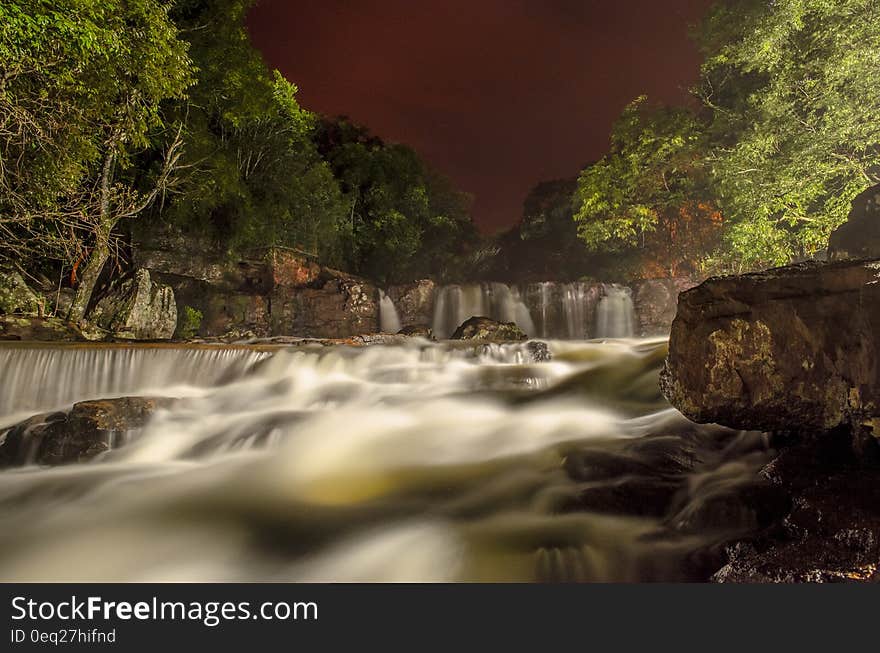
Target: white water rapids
(416, 462)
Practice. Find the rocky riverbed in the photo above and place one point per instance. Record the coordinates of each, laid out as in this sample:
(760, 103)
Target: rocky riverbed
(793, 351)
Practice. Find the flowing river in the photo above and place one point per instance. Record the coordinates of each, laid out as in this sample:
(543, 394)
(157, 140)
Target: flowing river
(556, 461)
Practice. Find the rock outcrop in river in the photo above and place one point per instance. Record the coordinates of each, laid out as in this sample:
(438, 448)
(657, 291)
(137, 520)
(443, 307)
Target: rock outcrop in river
(794, 348)
(87, 430)
(483, 328)
(794, 351)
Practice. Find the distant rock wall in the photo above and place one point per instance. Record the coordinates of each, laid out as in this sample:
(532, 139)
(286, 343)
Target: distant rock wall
(414, 302)
(274, 292)
(655, 302)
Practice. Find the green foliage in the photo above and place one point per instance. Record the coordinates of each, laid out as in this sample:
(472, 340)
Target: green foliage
(405, 220)
(792, 88)
(789, 135)
(81, 82)
(256, 177)
(107, 106)
(649, 199)
(189, 322)
(265, 171)
(652, 167)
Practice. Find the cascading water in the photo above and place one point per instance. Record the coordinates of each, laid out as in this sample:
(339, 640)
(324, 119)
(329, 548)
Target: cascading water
(542, 310)
(389, 321)
(615, 317)
(36, 379)
(455, 304)
(411, 462)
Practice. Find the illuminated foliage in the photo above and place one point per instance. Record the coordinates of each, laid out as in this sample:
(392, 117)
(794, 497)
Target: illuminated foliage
(650, 192)
(795, 119)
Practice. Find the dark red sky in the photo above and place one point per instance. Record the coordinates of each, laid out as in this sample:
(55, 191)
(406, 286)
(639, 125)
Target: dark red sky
(496, 94)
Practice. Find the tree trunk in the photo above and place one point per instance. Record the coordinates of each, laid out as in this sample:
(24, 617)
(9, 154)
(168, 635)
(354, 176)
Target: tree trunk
(87, 281)
(101, 252)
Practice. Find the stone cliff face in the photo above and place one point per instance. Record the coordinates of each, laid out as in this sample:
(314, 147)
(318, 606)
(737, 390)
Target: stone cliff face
(655, 302)
(280, 292)
(271, 293)
(414, 302)
(794, 348)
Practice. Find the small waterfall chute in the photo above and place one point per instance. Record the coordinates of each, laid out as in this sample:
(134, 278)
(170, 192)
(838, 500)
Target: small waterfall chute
(389, 320)
(615, 316)
(498, 301)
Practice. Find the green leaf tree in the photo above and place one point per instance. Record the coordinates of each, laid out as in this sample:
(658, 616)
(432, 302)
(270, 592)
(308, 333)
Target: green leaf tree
(791, 86)
(81, 88)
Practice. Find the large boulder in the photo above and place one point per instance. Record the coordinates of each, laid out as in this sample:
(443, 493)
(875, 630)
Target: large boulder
(138, 309)
(794, 348)
(87, 430)
(859, 236)
(16, 297)
(484, 328)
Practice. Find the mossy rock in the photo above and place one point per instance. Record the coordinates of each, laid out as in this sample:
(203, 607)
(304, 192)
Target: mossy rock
(484, 328)
(16, 297)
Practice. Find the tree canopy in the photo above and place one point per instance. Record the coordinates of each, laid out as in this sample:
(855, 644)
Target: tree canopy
(786, 136)
(165, 112)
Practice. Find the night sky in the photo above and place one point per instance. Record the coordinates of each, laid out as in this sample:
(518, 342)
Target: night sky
(496, 94)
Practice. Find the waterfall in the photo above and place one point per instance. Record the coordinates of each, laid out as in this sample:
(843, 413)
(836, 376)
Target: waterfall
(40, 379)
(389, 321)
(543, 310)
(614, 313)
(498, 301)
(575, 302)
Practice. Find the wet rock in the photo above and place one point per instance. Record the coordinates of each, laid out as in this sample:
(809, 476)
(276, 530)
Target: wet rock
(831, 532)
(168, 252)
(539, 351)
(484, 328)
(859, 236)
(794, 348)
(44, 329)
(138, 309)
(628, 495)
(417, 331)
(290, 269)
(16, 297)
(89, 429)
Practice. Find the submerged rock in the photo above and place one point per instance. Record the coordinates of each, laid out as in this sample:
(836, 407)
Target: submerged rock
(794, 348)
(138, 309)
(89, 429)
(484, 328)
